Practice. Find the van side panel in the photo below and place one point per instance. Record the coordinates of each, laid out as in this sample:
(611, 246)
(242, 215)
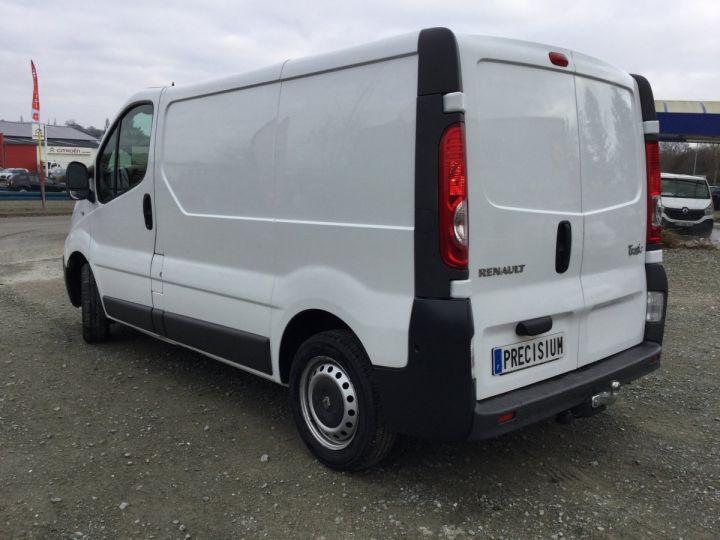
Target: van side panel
(215, 208)
(344, 220)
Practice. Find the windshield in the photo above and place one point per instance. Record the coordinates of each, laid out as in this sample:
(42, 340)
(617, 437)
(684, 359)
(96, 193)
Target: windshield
(685, 188)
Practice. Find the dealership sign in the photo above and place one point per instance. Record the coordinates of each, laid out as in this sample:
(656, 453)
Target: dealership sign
(70, 150)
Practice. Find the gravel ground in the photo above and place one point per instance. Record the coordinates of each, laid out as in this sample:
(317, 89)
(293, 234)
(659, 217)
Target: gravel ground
(140, 439)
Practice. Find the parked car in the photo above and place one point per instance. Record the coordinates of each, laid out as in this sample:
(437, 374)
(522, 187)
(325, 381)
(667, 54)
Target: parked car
(417, 236)
(715, 192)
(5, 174)
(31, 182)
(55, 171)
(686, 204)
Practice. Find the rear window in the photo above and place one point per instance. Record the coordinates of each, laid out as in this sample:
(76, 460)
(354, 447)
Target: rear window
(685, 188)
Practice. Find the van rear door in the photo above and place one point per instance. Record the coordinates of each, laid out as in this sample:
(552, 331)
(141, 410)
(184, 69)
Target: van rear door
(525, 212)
(556, 193)
(614, 209)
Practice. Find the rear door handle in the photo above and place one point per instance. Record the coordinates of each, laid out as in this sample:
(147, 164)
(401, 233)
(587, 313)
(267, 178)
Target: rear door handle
(563, 247)
(147, 212)
(534, 327)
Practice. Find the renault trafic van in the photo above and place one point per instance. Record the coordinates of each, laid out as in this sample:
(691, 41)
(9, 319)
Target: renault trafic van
(687, 204)
(440, 235)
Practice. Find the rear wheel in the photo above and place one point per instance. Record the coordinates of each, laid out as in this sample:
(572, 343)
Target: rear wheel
(95, 325)
(335, 404)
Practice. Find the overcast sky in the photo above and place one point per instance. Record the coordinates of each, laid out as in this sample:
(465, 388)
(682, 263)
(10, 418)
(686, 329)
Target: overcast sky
(92, 55)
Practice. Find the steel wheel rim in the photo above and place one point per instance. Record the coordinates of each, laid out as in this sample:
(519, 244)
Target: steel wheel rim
(325, 385)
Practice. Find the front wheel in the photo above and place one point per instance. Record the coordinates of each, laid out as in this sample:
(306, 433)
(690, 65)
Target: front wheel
(95, 325)
(335, 404)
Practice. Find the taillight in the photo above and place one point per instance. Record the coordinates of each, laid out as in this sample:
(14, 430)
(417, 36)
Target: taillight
(654, 202)
(452, 203)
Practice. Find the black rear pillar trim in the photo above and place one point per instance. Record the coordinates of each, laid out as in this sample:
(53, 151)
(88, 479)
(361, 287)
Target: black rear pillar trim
(656, 281)
(433, 396)
(438, 74)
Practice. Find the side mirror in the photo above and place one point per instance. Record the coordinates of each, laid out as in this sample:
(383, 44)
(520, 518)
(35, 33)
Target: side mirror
(77, 182)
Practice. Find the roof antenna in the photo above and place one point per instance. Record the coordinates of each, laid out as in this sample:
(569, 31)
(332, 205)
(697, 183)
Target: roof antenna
(172, 83)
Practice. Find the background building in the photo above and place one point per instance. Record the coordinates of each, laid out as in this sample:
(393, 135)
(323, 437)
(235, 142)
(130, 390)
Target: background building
(65, 144)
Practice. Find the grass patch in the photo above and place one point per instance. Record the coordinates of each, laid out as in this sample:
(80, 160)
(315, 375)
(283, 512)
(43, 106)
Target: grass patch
(671, 239)
(34, 208)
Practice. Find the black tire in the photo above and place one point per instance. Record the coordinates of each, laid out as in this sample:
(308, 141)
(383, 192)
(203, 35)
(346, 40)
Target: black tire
(95, 325)
(336, 367)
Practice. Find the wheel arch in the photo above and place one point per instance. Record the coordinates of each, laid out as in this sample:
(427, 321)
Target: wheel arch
(301, 327)
(72, 276)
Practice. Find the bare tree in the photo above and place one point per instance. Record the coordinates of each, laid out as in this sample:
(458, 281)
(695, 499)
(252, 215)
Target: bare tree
(702, 159)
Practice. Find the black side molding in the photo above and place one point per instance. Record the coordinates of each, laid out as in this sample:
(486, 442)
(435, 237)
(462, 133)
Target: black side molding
(129, 312)
(240, 347)
(243, 348)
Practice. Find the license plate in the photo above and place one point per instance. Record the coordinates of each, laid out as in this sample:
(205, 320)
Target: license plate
(529, 353)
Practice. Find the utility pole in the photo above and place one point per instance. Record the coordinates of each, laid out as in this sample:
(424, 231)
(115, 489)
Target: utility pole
(40, 167)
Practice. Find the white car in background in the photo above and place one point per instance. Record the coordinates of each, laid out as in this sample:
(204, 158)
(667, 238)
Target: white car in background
(687, 204)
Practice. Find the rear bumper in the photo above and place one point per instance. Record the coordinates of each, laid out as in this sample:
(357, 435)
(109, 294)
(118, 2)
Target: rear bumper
(433, 396)
(548, 398)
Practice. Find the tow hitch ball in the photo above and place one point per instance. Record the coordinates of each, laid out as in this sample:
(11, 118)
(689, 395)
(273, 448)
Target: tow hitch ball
(606, 398)
(594, 405)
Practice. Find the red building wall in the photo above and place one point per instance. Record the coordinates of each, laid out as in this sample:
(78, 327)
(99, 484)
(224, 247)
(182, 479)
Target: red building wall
(21, 156)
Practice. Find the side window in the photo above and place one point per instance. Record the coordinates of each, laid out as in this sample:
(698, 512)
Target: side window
(134, 147)
(106, 170)
(124, 159)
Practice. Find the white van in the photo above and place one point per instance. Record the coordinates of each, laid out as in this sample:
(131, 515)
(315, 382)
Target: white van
(687, 204)
(440, 235)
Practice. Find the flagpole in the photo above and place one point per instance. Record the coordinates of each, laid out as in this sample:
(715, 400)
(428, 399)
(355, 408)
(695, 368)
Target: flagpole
(40, 134)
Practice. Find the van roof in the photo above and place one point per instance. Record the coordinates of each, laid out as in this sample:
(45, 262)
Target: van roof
(392, 47)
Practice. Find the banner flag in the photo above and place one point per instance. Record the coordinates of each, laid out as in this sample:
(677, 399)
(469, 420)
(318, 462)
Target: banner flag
(36, 96)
